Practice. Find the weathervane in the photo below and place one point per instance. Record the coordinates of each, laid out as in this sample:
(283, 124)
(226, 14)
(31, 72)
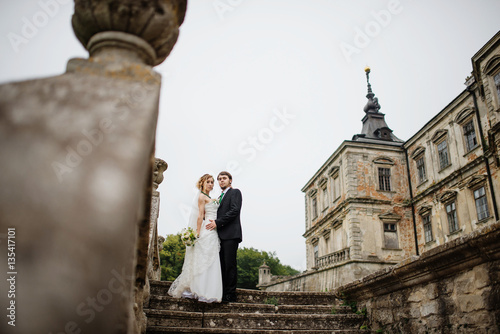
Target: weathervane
(372, 105)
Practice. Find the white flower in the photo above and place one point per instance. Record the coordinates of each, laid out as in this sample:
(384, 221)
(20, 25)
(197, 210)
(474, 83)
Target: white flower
(188, 236)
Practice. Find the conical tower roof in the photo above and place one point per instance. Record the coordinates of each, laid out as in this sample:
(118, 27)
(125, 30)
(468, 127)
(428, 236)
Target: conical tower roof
(374, 125)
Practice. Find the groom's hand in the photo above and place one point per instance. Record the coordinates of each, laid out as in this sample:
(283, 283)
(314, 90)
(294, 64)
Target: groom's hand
(210, 226)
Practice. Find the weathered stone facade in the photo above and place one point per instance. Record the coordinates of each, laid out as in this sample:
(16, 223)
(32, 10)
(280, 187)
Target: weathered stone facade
(377, 200)
(452, 288)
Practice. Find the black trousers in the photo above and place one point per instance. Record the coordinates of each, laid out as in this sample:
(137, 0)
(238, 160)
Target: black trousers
(228, 251)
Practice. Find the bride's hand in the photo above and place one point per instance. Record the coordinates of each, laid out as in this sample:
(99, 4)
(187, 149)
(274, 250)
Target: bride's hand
(210, 226)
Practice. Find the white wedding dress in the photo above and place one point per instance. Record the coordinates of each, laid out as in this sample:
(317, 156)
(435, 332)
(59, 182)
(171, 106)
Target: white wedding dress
(201, 276)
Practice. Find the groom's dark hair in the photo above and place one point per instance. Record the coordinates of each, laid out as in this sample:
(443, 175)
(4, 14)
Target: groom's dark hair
(225, 173)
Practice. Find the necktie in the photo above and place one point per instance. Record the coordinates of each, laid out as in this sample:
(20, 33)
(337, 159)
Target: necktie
(220, 197)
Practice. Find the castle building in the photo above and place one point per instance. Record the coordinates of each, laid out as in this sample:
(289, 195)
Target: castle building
(378, 200)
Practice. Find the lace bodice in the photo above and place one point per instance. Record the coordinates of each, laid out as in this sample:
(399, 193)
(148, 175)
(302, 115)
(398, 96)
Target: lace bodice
(211, 210)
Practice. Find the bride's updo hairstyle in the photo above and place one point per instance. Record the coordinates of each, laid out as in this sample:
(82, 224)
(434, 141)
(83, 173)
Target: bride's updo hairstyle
(202, 180)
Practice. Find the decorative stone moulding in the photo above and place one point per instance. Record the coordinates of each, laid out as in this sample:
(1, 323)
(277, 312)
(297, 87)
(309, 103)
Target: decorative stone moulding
(150, 26)
(417, 153)
(447, 196)
(334, 171)
(390, 217)
(464, 115)
(438, 135)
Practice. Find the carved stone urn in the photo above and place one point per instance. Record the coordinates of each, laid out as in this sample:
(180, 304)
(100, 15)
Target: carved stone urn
(149, 28)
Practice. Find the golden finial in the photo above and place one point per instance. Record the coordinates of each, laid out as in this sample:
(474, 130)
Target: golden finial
(367, 69)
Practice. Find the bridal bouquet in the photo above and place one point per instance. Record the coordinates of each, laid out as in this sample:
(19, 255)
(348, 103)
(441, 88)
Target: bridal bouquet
(188, 236)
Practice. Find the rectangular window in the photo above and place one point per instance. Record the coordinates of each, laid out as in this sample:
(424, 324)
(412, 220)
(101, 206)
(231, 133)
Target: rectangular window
(443, 154)
(470, 136)
(390, 236)
(451, 213)
(427, 228)
(497, 84)
(481, 204)
(336, 186)
(325, 198)
(421, 169)
(384, 179)
(314, 208)
(316, 251)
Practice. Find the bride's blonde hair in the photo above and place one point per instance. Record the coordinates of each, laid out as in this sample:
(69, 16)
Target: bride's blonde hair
(202, 180)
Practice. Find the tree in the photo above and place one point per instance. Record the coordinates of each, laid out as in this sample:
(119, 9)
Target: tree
(172, 257)
(249, 261)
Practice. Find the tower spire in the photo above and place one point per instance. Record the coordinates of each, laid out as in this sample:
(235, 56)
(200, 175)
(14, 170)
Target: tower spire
(372, 106)
(374, 125)
(370, 94)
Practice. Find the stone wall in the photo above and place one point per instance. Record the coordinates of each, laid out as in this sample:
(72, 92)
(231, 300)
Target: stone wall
(325, 279)
(453, 288)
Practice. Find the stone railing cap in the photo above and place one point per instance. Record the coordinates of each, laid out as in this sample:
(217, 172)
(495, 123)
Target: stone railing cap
(156, 21)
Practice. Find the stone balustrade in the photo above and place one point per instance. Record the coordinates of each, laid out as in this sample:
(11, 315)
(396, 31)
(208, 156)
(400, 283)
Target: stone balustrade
(332, 258)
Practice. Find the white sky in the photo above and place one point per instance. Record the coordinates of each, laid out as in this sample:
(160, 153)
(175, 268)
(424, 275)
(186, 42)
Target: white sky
(234, 69)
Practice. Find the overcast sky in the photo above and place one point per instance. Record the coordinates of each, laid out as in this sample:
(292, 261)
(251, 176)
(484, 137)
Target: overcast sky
(268, 89)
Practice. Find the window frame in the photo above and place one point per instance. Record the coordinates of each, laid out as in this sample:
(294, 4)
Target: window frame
(455, 216)
(496, 85)
(472, 129)
(335, 183)
(421, 169)
(448, 160)
(381, 184)
(427, 221)
(314, 207)
(386, 226)
(326, 202)
(485, 204)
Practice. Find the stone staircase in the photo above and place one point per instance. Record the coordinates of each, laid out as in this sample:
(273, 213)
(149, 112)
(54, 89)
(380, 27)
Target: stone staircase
(255, 311)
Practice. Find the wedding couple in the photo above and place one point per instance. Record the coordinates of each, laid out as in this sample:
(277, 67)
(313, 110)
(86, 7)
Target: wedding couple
(209, 272)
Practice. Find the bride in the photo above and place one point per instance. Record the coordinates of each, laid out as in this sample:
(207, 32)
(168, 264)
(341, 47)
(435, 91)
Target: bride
(201, 276)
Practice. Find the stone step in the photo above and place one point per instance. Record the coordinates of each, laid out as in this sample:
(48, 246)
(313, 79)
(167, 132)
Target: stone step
(160, 288)
(166, 318)
(190, 330)
(188, 305)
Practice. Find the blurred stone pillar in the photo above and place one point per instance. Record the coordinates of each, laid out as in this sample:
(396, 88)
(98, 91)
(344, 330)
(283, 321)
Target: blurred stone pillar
(77, 156)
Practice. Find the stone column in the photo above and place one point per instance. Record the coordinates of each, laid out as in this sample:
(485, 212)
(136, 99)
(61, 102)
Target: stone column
(148, 256)
(77, 159)
(154, 271)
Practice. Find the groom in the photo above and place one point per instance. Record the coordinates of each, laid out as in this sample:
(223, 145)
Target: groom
(229, 230)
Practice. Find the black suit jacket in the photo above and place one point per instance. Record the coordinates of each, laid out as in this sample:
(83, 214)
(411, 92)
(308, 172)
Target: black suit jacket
(228, 216)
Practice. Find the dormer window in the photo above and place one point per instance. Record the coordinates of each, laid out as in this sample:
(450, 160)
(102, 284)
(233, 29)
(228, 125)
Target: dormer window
(383, 133)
